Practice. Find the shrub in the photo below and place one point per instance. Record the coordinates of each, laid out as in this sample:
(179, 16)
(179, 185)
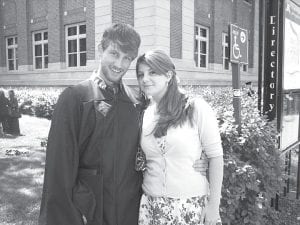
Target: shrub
(252, 164)
(37, 101)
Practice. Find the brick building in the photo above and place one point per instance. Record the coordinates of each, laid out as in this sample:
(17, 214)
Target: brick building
(54, 42)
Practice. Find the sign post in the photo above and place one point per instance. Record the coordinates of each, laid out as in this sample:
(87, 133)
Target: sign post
(238, 55)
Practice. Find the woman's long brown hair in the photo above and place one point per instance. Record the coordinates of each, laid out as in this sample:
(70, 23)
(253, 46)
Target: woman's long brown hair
(173, 109)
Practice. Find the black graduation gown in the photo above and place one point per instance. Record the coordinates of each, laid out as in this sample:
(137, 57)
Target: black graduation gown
(90, 159)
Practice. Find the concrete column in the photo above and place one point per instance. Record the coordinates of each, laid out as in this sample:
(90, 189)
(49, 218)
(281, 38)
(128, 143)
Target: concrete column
(152, 21)
(188, 33)
(103, 19)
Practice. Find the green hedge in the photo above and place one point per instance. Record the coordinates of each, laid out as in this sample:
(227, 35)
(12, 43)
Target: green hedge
(253, 168)
(37, 101)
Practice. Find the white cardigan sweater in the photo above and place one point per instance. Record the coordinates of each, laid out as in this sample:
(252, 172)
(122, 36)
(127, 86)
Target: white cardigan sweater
(171, 173)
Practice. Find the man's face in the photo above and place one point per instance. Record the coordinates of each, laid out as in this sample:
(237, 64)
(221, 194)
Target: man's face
(114, 64)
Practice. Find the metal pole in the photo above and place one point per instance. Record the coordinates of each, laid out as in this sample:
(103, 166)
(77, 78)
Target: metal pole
(236, 85)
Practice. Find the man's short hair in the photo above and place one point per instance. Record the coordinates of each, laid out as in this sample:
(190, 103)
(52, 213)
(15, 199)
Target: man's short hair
(124, 35)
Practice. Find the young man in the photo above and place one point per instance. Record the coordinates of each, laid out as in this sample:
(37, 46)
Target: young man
(89, 173)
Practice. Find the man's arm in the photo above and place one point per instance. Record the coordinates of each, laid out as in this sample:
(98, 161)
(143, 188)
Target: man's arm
(62, 163)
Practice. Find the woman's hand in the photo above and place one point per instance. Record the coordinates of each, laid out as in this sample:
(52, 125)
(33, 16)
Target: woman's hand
(201, 165)
(210, 215)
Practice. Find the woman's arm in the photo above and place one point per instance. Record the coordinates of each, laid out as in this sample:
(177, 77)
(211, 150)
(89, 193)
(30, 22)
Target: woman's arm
(211, 212)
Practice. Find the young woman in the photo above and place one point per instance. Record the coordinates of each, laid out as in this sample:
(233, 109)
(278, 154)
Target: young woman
(175, 131)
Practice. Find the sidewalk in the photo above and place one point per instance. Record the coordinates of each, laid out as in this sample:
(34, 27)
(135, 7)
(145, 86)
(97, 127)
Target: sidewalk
(21, 172)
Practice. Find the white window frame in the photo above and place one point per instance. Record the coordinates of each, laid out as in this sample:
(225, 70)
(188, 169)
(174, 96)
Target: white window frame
(41, 42)
(76, 37)
(14, 46)
(200, 39)
(224, 45)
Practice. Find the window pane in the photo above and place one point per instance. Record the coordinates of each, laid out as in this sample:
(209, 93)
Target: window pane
(72, 46)
(82, 43)
(226, 64)
(10, 41)
(72, 60)
(38, 50)
(72, 31)
(45, 35)
(202, 61)
(227, 52)
(196, 45)
(38, 63)
(82, 29)
(10, 53)
(196, 31)
(16, 40)
(82, 59)
(45, 49)
(10, 64)
(16, 64)
(203, 47)
(38, 36)
(196, 58)
(203, 32)
(46, 62)
(226, 39)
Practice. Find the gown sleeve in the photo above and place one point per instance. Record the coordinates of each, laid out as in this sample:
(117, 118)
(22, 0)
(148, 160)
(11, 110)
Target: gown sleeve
(62, 157)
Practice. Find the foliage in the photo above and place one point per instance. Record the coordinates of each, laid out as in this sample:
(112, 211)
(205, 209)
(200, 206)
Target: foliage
(252, 164)
(253, 167)
(39, 101)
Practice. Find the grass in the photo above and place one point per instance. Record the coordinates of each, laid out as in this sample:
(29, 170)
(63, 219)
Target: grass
(21, 172)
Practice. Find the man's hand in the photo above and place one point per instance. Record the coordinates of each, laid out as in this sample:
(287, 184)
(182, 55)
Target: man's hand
(201, 165)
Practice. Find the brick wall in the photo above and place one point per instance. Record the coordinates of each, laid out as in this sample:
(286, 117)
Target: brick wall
(55, 32)
(123, 11)
(176, 28)
(23, 34)
(37, 18)
(8, 27)
(216, 15)
(223, 14)
(90, 29)
(201, 11)
(2, 41)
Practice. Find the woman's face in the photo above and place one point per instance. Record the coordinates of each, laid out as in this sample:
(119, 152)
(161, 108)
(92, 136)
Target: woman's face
(151, 83)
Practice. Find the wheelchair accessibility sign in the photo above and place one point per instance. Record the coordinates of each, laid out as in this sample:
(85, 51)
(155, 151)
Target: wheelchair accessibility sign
(238, 44)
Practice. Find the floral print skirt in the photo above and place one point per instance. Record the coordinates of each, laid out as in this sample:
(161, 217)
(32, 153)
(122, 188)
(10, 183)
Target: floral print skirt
(170, 211)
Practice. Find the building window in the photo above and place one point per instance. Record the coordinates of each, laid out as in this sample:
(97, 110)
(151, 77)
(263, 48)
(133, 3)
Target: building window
(201, 46)
(40, 49)
(12, 53)
(225, 52)
(244, 67)
(76, 45)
